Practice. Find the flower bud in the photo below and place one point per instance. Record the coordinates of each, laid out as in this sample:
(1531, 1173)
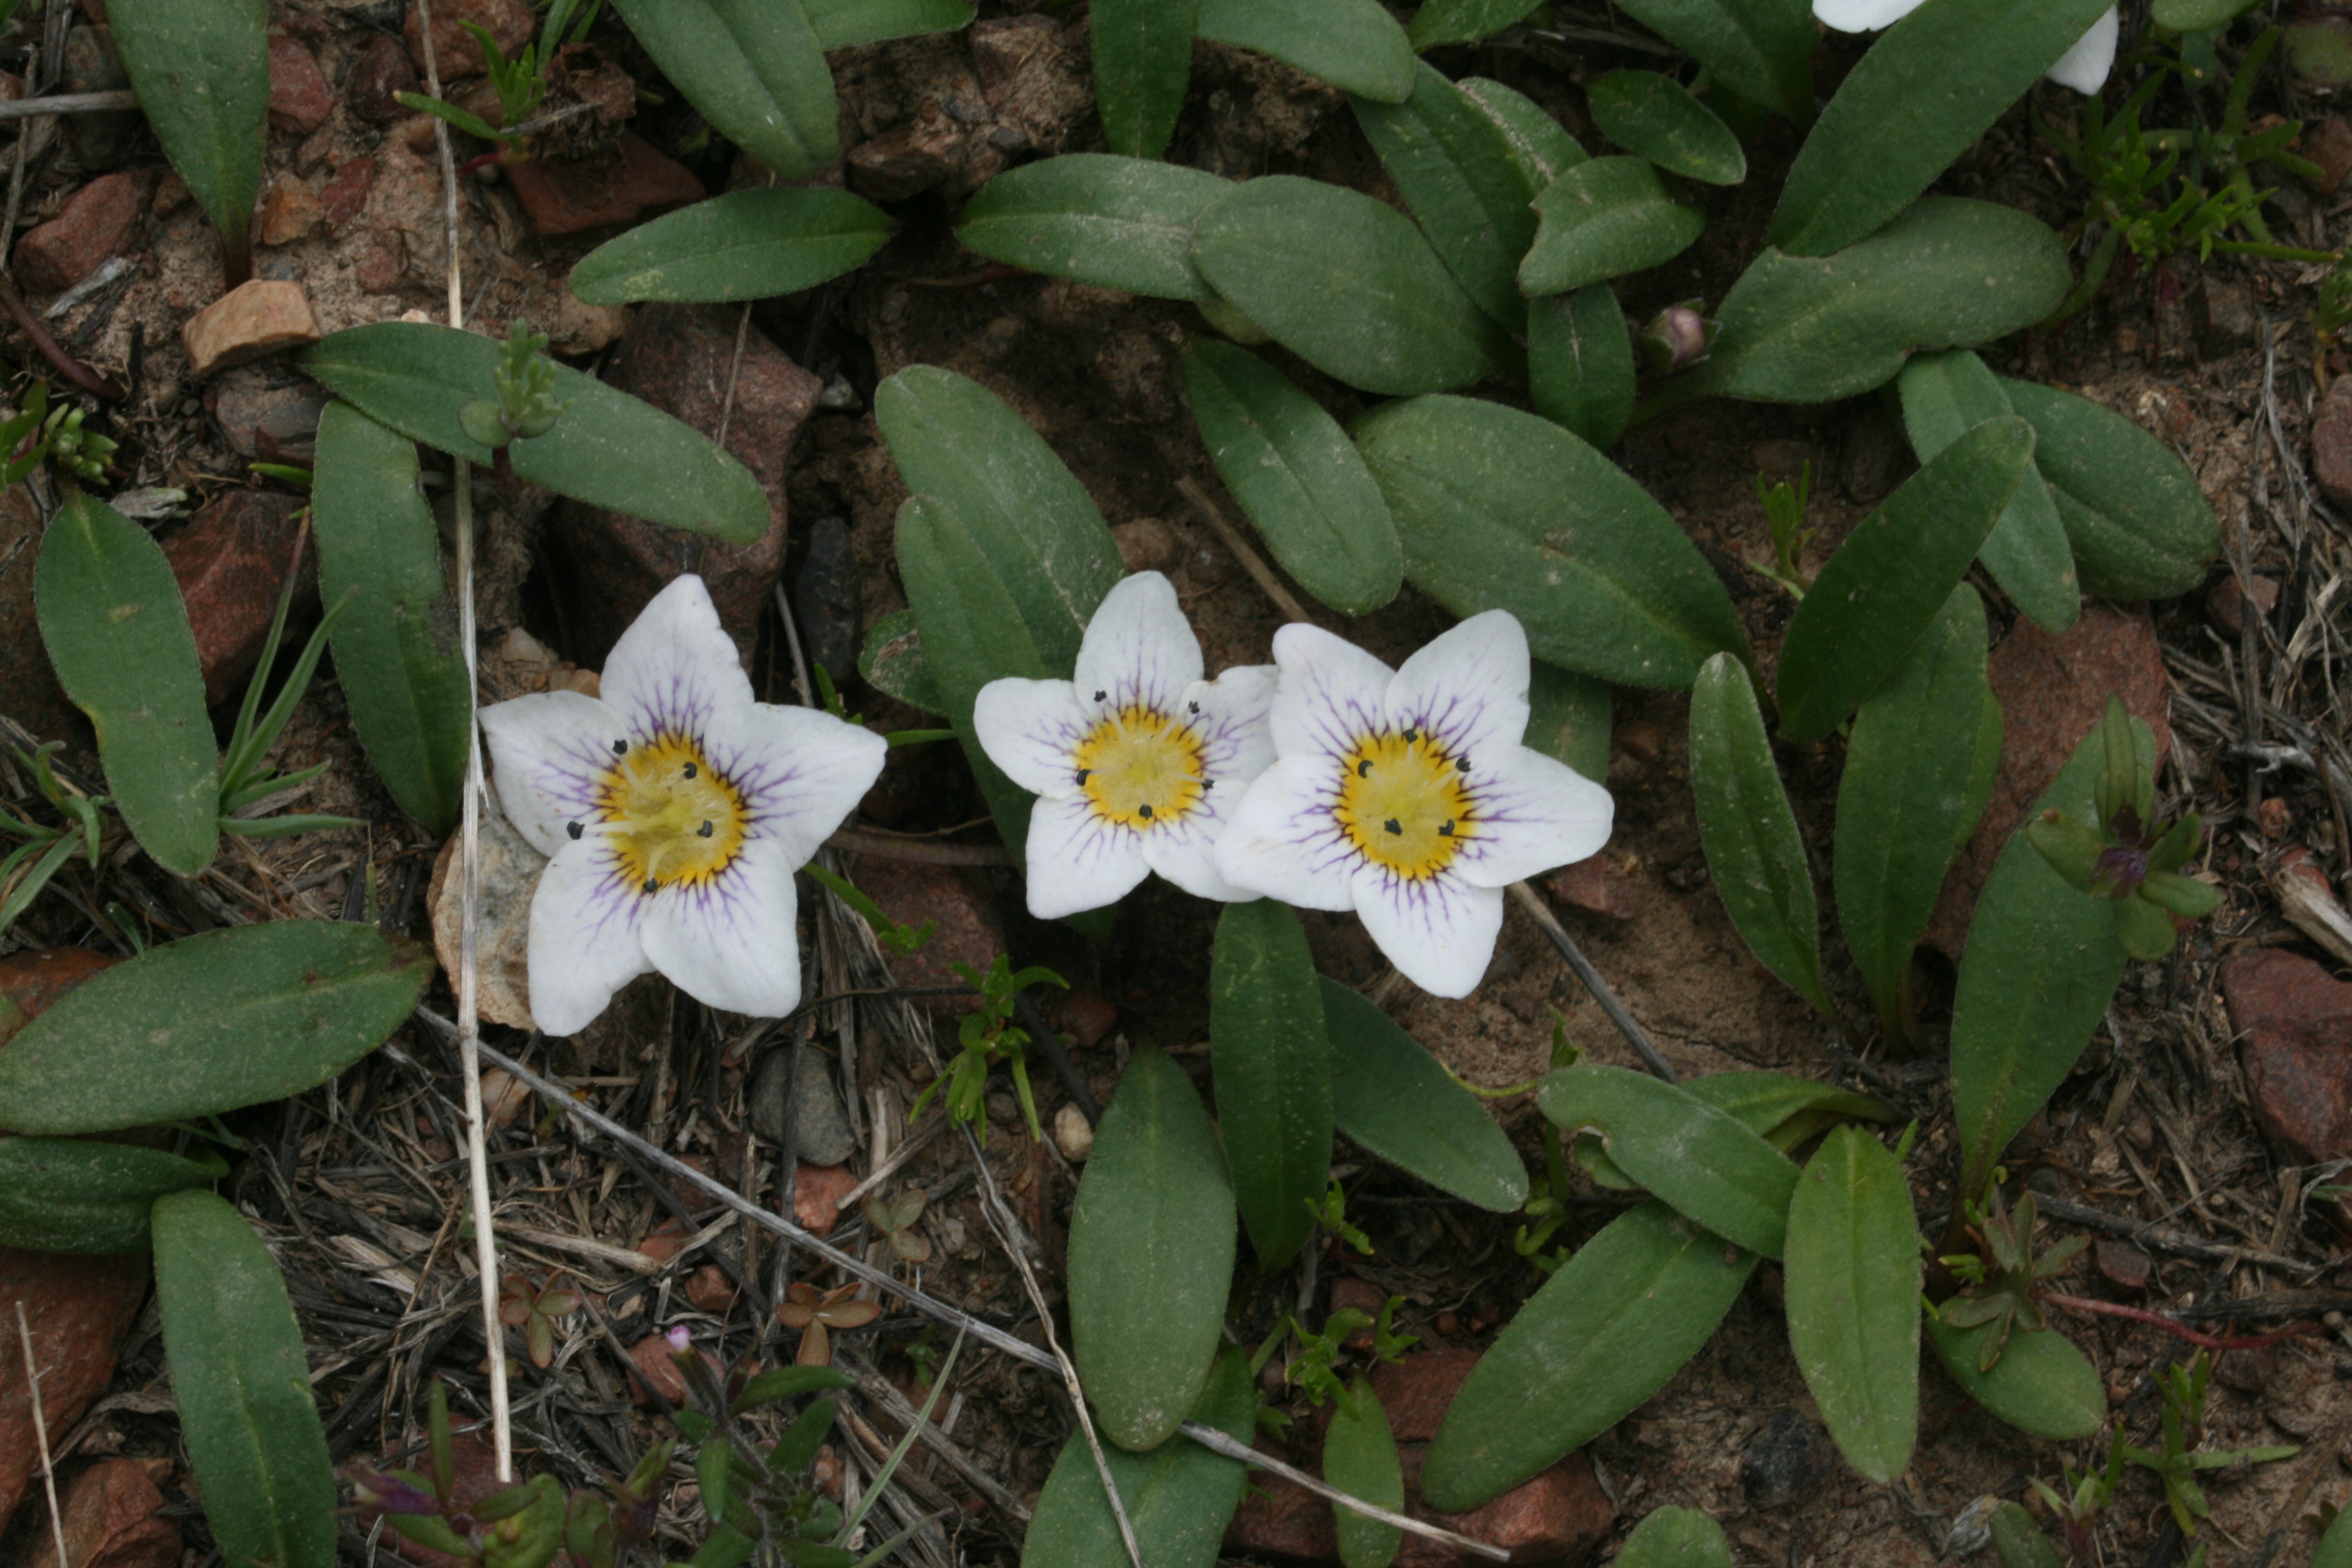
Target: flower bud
(1678, 338)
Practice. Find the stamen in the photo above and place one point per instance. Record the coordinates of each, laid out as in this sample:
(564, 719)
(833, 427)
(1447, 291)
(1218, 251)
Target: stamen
(1462, 762)
(573, 828)
(1144, 811)
(689, 770)
(1100, 695)
(703, 831)
(1364, 769)
(1394, 826)
(1084, 774)
(652, 884)
(620, 748)
(1192, 707)
(1207, 785)
(1445, 828)
(1410, 736)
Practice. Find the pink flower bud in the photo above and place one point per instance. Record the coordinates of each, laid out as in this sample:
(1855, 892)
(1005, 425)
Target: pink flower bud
(1677, 339)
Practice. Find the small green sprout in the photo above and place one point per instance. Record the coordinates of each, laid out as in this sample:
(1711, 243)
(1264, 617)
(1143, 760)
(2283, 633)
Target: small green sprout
(2003, 1274)
(989, 1036)
(38, 433)
(244, 780)
(27, 869)
(527, 406)
(2183, 1458)
(889, 933)
(2128, 855)
(1316, 1368)
(894, 1220)
(533, 1309)
(1332, 1216)
(1784, 512)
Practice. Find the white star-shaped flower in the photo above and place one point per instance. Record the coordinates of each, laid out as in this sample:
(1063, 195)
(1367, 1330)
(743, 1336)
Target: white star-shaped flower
(674, 811)
(2083, 68)
(1406, 797)
(1137, 762)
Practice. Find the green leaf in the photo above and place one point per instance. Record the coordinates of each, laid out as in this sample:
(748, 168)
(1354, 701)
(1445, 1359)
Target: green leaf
(1441, 22)
(1391, 1096)
(395, 644)
(1604, 218)
(1359, 1458)
(116, 630)
(1928, 88)
(1813, 330)
(1767, 1104)
(786, 1382)
(1656, 116)
(1580, 364)
(1753, 849)
(1946, 393)
(1179, 1496)
(211, 1021)
(1676, 1538)
(242, 1385)
(201, 74)
(1601, 1336)
(72, 1195)
(1297, 473)
(2040, 966)
(1892, 576)
(1689, 1154)
(2139, 523)
(745, 245)
(2196, 16)
(755, 70)
(1354, 45)
(1459, 176)
(1117, 223)
(2019, 1543)
(1274, 1068)
(1905, 803)
(1498, 508)
(892, 662)
(2334, 1548)
(2040, 1385)
(1570, 719)
(1760, 49)
(609, 449)
(1151, 1254)
(1540, 144)
(1851, 1283)
(1346, 283)
(1143, 59)
(844, 24)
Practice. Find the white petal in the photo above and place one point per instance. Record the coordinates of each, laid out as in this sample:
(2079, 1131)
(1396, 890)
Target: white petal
(1078, 861)
(675, 667)
(548, 752)
(1236, 737)
(1532, 813)
(1862, 15)
(1284, 841)
(2084, 67)
(585, 924)
(801, 772)
(1439, 932)
(734, 941)
(1468, 687)
(1029, 729)
(1185, 851)
(1329, 694)
(1139, 648)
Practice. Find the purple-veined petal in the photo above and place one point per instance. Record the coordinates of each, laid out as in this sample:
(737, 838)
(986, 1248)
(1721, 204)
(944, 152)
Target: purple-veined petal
(1468, 687)
(1330, 693)
(1284, 841)
(2084, 67)
(1439, 930)
(675, 667)
(1029, 728)
(1234, 722)
(1078, 861)
(800, 771)
(1533, 813)
(732, 941)
(1139, 651)
(586, 920)
(1862, 16)
(548, 752)
(1185, 850)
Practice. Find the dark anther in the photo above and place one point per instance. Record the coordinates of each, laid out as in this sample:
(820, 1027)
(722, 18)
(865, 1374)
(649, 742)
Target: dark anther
(620, 748)
(1462, 763)
(573, 828)
(1446, 829)
(1100, 695)
(1083, 774)
(1364, 769)
(1207, 785)
(652, 883)
(703, 831)
(1410, 736)
(1144, 811)
(1192, 707)
(1394, 826)
(690, 770)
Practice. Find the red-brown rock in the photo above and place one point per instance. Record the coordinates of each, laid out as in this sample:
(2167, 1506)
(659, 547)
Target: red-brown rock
(2124, 1265)
(2294, 1028)
(709, 1289)
(1598, 885)
(1282, 1520)
(258, 316)
(575, 194)
(290, 210)
(299, 97)
(94, 224)
(379, 74)
(231, 561)
(79, 1309)
(2227, 601)
(2331, 440)
(651, 1362)
(1086, 1017)
(113, 1519)
(2329, 145)
(342, 198)
(33, 981)
(968, 929)
(508, 22)
(817, 1192)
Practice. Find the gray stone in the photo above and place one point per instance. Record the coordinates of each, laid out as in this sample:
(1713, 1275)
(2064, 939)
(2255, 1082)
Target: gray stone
(1787, 1455)
(821, 1132)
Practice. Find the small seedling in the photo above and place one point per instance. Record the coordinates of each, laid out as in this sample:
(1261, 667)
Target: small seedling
(526, 407)
(817, 1313)
(889, 933)
(1333, 1217)
(244, 779)
(1784, 512)
(534, 1308)
(895, 1220)
(27, 869)
(2184, 1430)
(40, 432)
(1315, 1369)
(2129, 855)
(988, 1036)
(2084, 1498)
(2002, 1274)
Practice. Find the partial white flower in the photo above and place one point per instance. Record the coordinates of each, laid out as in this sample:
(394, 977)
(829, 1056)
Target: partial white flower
(2083, 68)
(1137, 762)
(1406, 795)
(674, 810)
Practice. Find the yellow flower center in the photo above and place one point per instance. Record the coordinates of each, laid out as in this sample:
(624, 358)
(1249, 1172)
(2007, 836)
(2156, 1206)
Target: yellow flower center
(672, 819)
(1403, 803)
(1140, 768)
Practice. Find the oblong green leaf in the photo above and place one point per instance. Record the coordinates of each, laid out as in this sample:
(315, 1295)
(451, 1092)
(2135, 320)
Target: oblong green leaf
(1143, 59)
(1676, 1538)
(756, 70)
(1570, 718)
(1603, 1333)
(1274, 1067)
(1118, 223)
(242, 1385)
(201, 74)
(891, 659)
(1604, 218)
(1892, 576)
(2139, 523)
(1441, 22)
(2019, 1543)
(1179, 1496)
(1930, 86)
(608, 448)
(1297, 473)
(1581, 372)
(1391, 1096)
(1359, 1458)
(2334, 1548)
(1945, 393)
(745, 245)
(74, 1195)
(1540, 144)
(1346, 283)
(1699, 1160)
(1753, 849)
(1851, 1283)
(1459, 178)
(844, 24)
(1762, 49)
(1904, 800)
(1767, 1104)
(395, 643)
(1656, 116)
(211, 1021)
(2040, 1385)
(1502, 509)
(1354, 45)
(1151, 1254)
(117, 634)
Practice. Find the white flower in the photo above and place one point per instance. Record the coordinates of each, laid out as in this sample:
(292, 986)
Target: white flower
(1406, 795)
(1137, 762)
(2083, 68)
(674, 810)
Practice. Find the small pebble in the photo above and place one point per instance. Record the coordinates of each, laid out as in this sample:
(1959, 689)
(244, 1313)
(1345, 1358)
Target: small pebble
(1073, 1135)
